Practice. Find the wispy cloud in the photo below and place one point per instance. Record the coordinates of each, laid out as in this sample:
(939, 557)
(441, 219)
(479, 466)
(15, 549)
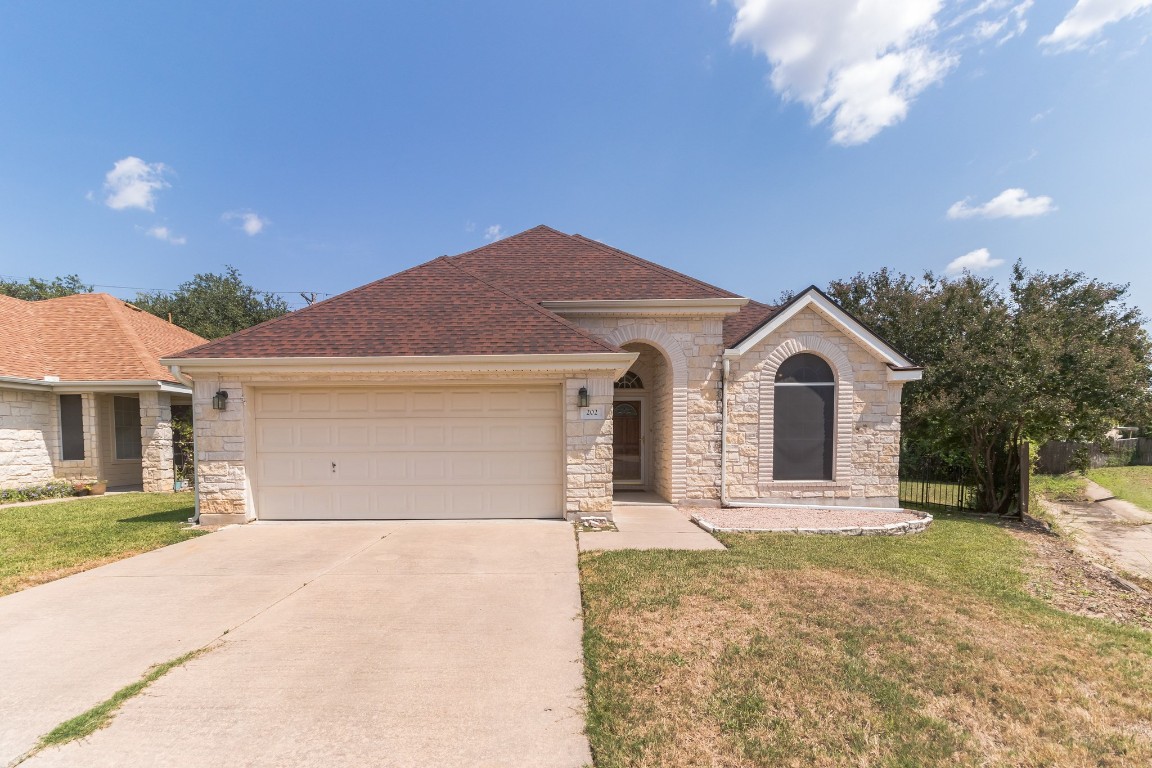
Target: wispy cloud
(133, 183)
(161, 232)
(979, 260)
(1010, 204)
(494, 232)
(1084, 23)
(250, 221)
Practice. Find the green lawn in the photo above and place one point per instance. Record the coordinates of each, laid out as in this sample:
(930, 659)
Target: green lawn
(922, 650)
(48, 541)
(1132, 484)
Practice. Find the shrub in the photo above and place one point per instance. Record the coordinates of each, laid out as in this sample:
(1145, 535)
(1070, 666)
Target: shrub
(56, 489)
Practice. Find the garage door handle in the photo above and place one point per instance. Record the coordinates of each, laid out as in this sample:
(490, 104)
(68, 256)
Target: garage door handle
(333, 466)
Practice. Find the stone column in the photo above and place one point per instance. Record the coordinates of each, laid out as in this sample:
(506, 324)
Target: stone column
(156, 441)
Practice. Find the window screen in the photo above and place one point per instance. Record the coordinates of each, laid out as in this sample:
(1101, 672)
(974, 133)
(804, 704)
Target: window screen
(805, 415)
(72, 427)
(126, 411)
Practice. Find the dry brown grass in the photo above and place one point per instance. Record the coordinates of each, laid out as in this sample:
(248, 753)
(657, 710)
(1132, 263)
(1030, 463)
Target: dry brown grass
(815, 653)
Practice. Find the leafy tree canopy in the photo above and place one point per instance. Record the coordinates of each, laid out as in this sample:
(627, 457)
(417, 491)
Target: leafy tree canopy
(38, 290)
(213, 305)
(1055, 357)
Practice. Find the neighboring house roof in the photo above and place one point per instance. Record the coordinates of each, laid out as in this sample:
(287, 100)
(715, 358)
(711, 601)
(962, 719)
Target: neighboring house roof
(542, 264)
(437, 308)
(86, 337)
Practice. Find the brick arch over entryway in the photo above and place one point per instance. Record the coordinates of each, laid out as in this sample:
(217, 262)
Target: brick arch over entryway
(658, 338)
(834, 356)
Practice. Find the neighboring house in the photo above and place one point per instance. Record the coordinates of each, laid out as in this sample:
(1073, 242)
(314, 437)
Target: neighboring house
(536, 377)
(83, 395)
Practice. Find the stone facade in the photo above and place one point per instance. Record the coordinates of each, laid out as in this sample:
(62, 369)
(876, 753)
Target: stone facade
(24, 454)
(867, 433)
(691, 347)
(30, 439)
(156, 441)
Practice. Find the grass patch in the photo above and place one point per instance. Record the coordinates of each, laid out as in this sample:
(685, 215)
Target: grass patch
(922, 650)
(1132, 484)
(1069, 487)
(101, 715)
(48, 541)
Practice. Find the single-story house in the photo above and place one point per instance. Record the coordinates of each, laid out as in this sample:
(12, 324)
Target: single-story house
(537, 377)
(83, 395)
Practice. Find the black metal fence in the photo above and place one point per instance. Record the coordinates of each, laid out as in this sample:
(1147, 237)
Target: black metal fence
(935, 484)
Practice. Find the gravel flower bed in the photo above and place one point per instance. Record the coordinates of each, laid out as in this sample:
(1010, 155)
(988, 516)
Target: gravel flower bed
(812, 520)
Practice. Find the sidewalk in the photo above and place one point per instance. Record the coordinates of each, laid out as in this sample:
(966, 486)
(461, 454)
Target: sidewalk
(1110, 527)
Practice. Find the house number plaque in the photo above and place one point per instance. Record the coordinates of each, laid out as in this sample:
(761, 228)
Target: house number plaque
(592, 412)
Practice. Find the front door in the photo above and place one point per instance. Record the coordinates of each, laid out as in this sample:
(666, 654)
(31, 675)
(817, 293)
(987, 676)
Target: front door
(627, 462)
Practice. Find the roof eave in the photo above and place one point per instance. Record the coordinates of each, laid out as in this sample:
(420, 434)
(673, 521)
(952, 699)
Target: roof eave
(102, 385)
(615, 362)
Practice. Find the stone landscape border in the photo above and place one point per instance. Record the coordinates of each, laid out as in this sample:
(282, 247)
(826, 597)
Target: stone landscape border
(920, 524)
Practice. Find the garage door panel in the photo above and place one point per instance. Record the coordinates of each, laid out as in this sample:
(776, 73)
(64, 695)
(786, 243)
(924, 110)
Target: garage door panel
(435, 453)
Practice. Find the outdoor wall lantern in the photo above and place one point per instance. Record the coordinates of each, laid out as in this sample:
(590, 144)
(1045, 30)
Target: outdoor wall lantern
(220, 400)
(582, 397)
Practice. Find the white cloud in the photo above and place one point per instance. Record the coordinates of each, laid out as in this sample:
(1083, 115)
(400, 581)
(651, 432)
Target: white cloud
(133, 183)
(494, 232)
(859, 64)
(161, 232)
(250, 221)
(979, 260)
(1009, 204)
(1087, 18)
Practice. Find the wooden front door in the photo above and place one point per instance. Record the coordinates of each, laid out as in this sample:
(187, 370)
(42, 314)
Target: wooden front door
(627, 461)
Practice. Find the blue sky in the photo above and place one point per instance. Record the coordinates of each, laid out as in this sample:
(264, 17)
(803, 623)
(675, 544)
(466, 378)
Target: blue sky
(761, 145)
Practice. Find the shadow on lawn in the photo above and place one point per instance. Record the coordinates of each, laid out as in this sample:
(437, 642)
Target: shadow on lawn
(169, 516)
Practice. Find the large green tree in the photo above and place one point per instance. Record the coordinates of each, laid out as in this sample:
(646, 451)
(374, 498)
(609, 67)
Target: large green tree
(213, 305)
(35, 289)
(1054, 357)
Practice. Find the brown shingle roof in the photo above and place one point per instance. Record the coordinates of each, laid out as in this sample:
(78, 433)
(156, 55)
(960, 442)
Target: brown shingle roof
(86, 337)
(437, 308)
(542, 264)
(739, 326)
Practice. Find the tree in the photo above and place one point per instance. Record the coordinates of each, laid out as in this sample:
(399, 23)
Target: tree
(1056, 357)
(38, 290)
(213, 305)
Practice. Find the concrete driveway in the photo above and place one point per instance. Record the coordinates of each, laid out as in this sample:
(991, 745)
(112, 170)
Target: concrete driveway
(333, 644)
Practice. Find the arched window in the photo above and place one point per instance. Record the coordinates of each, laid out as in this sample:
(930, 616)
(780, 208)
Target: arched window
(629, 381)
(804, 404)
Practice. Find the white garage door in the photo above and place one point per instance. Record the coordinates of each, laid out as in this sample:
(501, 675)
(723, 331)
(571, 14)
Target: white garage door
(356, 454)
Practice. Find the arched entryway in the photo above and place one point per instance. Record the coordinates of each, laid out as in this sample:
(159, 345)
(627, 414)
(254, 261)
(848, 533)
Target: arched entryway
(642, 424)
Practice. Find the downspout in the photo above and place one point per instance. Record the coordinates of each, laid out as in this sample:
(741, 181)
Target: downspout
(724, 373)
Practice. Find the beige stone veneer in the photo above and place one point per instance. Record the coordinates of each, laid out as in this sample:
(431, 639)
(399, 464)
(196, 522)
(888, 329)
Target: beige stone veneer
(867, 434)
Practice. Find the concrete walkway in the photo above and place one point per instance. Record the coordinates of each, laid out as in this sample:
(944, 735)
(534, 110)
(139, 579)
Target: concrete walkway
(379, 644)
(1112, 528)
(648, 522)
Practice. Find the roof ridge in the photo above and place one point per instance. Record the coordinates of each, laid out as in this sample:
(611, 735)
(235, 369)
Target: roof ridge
(115, 308)
(669, 272)
(547, 313)
(246, 331)
(503, 239)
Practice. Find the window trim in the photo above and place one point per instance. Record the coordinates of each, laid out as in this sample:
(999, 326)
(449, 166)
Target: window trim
(842, 434)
